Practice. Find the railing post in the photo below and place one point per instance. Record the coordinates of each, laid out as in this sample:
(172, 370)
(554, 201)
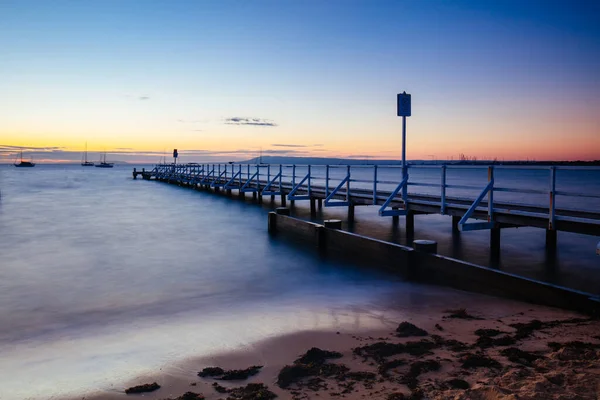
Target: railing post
(258, 178)
(552, 208)
(281, 179)
(375, 184)
(294, 176)
(248, 178)
(491, 194)
(443, 194)
(348, 184)
(309, 179)
(269, 173)
(327, 181)
(240, 175)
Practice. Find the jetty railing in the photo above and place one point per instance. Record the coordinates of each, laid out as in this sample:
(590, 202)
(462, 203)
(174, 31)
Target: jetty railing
(513, 195)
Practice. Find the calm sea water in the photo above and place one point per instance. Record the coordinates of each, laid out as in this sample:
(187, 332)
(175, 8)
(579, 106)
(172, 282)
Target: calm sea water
(103, 278)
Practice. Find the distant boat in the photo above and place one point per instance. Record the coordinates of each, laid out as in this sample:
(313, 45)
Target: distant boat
(85, 161)
(104, 164)
(24, 163)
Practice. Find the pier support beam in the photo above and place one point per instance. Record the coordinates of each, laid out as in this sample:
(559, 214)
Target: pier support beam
(260, 198)
(254, 196)
(551, 236)
(455, 220)
(229, 192)
(410, 224)
(320, 203)
(395, 218)
(495, 242)
(351, 213)
(242, 195)
(313, 208)
(283, 200)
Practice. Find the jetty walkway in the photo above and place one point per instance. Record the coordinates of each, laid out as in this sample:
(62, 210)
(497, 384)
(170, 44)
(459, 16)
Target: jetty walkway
(383, 186)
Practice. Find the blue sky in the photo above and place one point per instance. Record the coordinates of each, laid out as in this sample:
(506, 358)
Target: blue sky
(501, 79)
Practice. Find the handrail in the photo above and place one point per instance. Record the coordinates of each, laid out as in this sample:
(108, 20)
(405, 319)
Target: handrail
(328, 200)
(292, 195)
(386, 213)
(377, 185)
(266, 190)
(229, 184)
(489, 188)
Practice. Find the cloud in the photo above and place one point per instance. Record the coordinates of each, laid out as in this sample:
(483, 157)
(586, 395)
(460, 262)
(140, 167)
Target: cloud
(289, 145)
(296, 145)
(249, 121)
(144, 98)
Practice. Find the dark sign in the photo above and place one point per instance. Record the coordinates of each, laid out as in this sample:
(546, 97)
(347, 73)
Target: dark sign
(404, 105)
(175, 153)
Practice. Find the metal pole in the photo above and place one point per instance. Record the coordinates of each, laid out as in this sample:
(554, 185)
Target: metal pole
(375, 184)
(491, 194)
(326, 180)
(404, 171)
(443, 205)
(348, 185)
(552, 207)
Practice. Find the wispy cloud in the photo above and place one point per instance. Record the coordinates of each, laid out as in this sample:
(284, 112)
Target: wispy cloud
(289, 145)
(144, 98)
(249, 121)
(296, 145)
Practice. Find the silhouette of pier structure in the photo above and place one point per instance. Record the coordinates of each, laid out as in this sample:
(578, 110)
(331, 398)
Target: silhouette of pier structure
(370, 185)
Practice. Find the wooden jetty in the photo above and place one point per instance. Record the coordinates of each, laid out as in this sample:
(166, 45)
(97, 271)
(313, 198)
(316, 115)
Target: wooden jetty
(361, 185)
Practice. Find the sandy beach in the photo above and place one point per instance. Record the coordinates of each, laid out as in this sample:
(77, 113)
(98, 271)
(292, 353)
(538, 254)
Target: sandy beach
(508, 351)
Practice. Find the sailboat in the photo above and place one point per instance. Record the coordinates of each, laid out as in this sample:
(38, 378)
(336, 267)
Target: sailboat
(24, 163)
(85, 161)
(104, 164)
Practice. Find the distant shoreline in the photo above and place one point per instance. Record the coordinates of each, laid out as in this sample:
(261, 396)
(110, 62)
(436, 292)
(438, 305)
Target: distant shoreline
(301, 161)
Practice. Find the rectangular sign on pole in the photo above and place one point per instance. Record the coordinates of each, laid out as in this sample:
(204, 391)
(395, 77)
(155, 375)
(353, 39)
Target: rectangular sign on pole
(403, 105)
(175, 153)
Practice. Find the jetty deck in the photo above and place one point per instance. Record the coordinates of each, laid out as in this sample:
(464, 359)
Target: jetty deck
(351, 186)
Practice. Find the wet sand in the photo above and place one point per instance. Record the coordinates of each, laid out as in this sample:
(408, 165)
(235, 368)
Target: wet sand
(493, 349)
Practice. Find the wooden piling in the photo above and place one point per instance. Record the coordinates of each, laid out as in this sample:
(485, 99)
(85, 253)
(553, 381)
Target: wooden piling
(455, 221)
(351, 213)
(551, 240)
(320, 203)
(495, 242)
(313, 208)
(410, 224)
(283, 200)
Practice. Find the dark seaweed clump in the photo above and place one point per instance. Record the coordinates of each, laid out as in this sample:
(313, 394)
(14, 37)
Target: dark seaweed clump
(148, 387)
(230, 375)
(461, 313)
(520, 356)
(406, 329)
(252, 391)
(479, 360)
(458, 384)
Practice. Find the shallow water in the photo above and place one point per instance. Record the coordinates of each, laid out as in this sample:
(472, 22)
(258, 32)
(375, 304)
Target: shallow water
(103, 278)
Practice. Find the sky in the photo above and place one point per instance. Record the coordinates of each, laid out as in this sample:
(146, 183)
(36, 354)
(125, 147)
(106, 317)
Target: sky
(224, 80)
